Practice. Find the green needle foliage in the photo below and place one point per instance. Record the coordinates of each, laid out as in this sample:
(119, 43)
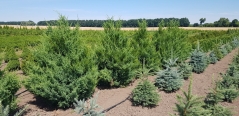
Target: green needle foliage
(199, 60)
(228, 47)
(223, 50)
(218, 53)
(214, 97)
(25, 53)
(235, 43)
(10, 55)
(144, 48)
(190, 105)
(171, 38)
(63, 68)
(229, 88)
(169, 80)
(116, 60)
(145, 94)
(218, 110)
(13, 65)
(8, 87)
(185, 70)
(213, 58)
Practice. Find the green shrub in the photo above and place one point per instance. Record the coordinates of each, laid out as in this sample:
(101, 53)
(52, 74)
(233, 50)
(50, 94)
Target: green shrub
(198, 61)
(213, 58)
(171, 39)
(8, 87)
(214, 97)
(168, 80)
(234, 43)
(26, 53)
(185, 70)
(145, 94)
(228, 89)
(116, 60)
(13, 65)
(218, 53)
(233, 70)
(63, 68)
(144, 47)
(223, 51)
(10, 55)
(218, 110)
(228, 48)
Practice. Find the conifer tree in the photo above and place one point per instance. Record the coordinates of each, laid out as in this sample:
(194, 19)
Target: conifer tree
(199, 60)
(116, 60)
(63, 68)
(190, 105)
(145, 93)
(171, 38)
(144, 48)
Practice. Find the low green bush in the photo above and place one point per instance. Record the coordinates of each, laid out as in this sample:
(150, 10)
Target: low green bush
(8, 87)
(145, 94)
(13, 65)
(185, 70)
(168, 80)
(212, 57)
(199, 61)
(10, 55)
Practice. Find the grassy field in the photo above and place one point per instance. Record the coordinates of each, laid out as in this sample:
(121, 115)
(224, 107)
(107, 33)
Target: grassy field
(135, 28)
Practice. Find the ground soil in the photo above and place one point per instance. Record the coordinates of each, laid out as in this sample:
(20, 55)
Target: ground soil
(202, 84)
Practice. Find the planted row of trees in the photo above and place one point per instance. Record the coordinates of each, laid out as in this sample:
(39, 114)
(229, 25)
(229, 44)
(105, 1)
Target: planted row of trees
(63, 67)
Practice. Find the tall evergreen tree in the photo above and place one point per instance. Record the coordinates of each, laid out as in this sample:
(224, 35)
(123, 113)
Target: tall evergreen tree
(63, 68)
(116, 61)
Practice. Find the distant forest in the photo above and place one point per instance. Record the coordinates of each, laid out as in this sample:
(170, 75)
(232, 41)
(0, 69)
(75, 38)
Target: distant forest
(183, 22)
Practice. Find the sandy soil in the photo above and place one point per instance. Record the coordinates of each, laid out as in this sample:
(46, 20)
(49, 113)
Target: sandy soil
(202, 83)
(132, 28)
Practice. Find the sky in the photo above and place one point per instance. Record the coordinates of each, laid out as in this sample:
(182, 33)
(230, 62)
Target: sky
(42, 10)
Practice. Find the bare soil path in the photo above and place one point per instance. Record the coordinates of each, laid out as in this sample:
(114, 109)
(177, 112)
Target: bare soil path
(202, 83)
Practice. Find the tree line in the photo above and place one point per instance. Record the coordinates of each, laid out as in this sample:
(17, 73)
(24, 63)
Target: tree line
(182, 22)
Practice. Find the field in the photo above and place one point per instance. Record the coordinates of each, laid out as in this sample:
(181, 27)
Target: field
(56, 65)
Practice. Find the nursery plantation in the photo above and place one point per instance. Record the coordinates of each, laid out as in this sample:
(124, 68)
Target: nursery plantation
(63, 66)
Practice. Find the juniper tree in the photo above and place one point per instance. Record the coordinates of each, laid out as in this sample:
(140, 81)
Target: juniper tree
(116, 60)
(171, 38)
(8, 87)
(144, 48)
(63, 68)
(10, 55)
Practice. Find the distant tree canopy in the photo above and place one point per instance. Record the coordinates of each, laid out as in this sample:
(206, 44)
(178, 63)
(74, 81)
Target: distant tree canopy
(23, 23)
(183, 22)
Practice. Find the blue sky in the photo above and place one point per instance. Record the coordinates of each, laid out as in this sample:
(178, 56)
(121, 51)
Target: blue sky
(40, 10)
